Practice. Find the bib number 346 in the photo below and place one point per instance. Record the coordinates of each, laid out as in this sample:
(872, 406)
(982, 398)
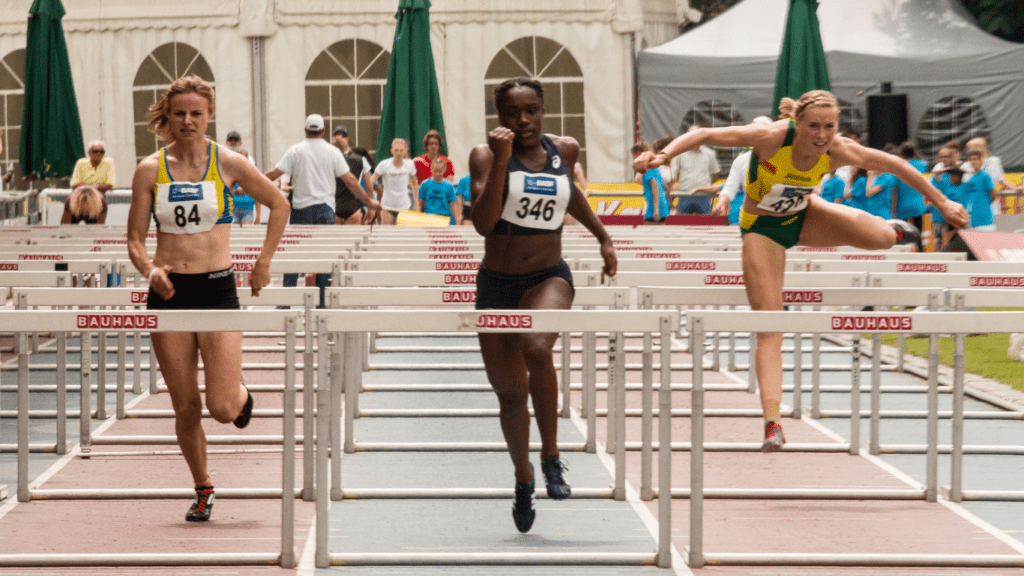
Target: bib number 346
(540, 210)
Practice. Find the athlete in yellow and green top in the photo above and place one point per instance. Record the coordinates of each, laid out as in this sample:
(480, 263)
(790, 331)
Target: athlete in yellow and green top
(783, 208)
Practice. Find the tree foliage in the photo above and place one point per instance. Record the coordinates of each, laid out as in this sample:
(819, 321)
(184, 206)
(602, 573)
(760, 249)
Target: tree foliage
(1002, 18)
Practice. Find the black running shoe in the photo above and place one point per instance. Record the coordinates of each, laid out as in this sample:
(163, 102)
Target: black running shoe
(201, 508)
(906, 233)
(246, 414)
(553, 468)
(523, 512)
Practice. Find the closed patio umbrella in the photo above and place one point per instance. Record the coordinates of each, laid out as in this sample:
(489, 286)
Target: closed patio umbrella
(51, 132)
(802, 65)
(412, 103)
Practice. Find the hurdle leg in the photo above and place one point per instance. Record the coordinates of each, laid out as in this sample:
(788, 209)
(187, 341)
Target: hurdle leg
(956, 463)
(62, 393)
(646, 430)
(85, 393)
(874, 447)
(855, 397)
(798, 375)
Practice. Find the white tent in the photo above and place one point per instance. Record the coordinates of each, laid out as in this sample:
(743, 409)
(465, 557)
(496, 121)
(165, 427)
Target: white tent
(959, 80)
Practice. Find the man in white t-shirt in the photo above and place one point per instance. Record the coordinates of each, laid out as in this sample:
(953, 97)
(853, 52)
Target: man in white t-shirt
(313, 165)
(694, 171)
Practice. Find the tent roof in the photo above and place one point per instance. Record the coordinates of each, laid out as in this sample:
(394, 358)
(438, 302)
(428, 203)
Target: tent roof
(925, 29)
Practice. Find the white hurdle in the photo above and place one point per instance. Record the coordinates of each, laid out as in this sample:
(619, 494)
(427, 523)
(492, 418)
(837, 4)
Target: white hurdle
(611, 321)
(701, 322)
(156, 321)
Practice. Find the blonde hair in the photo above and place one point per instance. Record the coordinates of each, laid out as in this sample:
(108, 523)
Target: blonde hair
(159, 113)
(794, 109)
(979, 144)
(85, 203)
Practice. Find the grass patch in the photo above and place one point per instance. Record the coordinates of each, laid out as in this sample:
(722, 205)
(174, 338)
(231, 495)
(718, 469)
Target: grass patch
(986, 355)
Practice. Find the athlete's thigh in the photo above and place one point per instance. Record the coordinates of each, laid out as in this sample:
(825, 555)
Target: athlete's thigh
(504, 362)
(551, 294)
(222, 363)
(179, 364)
(831, 224)
(764, 269)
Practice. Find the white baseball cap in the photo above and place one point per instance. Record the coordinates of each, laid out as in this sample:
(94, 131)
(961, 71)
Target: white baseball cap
(314, 122)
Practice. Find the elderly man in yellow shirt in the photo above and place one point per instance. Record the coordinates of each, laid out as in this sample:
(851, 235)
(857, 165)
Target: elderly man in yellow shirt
(95, 169)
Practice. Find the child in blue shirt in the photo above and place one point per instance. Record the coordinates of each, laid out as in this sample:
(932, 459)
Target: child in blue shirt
(832, 189)
(951, 184)
(653, 185)
(982, 195)
(437, 195)
(463, 191)
(879, 195)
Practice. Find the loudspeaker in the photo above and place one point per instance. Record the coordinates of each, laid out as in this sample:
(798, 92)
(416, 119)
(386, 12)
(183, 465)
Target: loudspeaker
(887, 119)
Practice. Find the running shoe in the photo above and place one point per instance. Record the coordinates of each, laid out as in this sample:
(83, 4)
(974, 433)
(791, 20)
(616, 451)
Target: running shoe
(523, 512)
(201, 508)
(906, 233)
(773, 438)
(553, 468)
(246, 414)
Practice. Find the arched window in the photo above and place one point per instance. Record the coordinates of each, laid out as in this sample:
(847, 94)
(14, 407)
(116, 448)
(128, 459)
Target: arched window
(951, 118)
(852, 116)
(713, 114)
(12, 98)
(158, 71)
(556, 69)
(345, 84)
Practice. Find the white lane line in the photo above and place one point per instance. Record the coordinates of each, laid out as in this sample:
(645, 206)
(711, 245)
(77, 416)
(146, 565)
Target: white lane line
(957, 509)
(63, 461)
(679, 566)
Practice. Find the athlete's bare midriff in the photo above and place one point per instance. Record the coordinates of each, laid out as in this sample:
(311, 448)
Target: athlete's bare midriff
(194, 253)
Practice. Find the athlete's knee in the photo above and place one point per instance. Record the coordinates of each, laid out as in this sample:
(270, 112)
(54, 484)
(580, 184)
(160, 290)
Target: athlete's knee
(512, 399)
(222, 410)
(537, 350)
(189, 412)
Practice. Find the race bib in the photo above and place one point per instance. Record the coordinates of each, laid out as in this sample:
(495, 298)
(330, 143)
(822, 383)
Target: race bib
(786, 198)
(536, 200)
(186, 207)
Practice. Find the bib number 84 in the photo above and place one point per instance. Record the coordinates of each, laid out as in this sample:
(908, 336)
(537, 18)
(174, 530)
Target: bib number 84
(539, 210)
(182, 220)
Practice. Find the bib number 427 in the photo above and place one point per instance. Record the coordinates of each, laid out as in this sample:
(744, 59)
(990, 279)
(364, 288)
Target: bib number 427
(789, 199)
(182, 220)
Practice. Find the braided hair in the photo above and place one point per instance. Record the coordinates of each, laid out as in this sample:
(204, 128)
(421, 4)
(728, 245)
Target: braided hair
(502, 89)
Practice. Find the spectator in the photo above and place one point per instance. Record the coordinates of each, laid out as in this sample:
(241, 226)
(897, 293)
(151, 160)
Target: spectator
(855, 193)
(832, 188)
(437, 195)
(349, 201)
(85, 205)
(96, 169)
(432, 143)
(992, 166)
(243, 206)
(313, 164)
(952, 183)
(464, 192)
(694, 172)
(731, 197)
(982, 194)
(666, 171)
(395, 178)
(655, 198)
(909, 202)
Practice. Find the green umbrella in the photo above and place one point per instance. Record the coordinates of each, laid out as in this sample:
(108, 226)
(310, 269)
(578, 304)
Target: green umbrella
(802, 65)
(412, 103)
(51, 132)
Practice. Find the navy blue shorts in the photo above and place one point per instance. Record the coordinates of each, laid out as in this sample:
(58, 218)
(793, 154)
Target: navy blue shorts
(205, 291)
(497, 291)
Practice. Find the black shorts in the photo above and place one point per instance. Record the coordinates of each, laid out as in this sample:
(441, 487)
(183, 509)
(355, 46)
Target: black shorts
(346, 204)
(467, 212)
(205, 291)
(497, 291)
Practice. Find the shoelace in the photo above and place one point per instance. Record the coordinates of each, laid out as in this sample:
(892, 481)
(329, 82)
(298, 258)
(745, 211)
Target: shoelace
(202, 497)
(554, 473)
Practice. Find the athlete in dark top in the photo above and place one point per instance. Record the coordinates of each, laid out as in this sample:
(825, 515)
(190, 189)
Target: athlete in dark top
(522, 188)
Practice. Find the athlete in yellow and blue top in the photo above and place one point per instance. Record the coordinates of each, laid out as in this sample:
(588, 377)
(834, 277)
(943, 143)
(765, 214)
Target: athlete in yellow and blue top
(782, 208)
(189, 207)
(184, 186)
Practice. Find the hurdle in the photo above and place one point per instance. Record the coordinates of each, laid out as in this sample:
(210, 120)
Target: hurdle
(832, 322)
(170, 321)
(611, 321)
(962, 299)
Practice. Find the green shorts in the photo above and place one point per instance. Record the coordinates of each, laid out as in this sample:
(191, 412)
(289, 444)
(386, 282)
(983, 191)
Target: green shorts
(784, 230)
